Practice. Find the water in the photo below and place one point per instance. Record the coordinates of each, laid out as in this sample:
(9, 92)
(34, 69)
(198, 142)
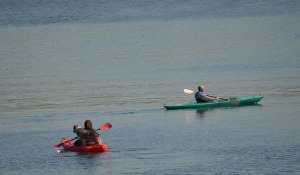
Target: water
(64, 62)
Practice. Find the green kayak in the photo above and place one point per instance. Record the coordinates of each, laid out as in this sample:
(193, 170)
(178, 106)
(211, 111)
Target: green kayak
(238, 101)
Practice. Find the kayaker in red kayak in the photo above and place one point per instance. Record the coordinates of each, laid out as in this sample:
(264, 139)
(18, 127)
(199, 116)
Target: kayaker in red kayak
(201, 97)
(94, 137)
(86, 135)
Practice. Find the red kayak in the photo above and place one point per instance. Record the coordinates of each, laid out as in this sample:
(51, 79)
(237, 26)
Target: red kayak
(68, 145)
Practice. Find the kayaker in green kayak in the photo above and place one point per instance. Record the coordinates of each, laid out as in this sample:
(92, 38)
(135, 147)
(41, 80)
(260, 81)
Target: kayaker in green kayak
(201, 97)
(86, 135)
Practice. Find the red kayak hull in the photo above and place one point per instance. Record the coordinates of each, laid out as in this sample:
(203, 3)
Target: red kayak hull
(67, 145)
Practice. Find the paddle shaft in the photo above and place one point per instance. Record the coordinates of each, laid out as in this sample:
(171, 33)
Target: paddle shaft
(188, 91)
(61, 144)
(231, 100)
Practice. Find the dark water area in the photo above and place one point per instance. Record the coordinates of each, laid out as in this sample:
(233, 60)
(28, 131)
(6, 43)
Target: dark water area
(35, 12)
(63, 62)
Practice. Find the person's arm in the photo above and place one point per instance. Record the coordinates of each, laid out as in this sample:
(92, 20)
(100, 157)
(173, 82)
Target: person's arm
(207, 98)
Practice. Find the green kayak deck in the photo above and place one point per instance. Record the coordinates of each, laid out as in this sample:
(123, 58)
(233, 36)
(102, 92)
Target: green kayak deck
(238, 101)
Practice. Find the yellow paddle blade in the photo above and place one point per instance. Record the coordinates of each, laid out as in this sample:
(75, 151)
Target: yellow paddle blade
(188, 91)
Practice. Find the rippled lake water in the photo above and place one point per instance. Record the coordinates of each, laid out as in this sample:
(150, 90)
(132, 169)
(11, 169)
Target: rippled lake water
(122, 69)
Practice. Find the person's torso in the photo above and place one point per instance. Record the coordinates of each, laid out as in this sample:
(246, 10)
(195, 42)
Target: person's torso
(198, 96)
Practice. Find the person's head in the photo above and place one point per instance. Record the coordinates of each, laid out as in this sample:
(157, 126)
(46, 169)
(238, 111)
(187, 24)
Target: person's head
(75, 128)
(201, 88)
(88, 124)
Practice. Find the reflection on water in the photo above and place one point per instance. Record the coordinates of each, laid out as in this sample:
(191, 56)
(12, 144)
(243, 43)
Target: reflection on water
(88, 162)
(201, 113)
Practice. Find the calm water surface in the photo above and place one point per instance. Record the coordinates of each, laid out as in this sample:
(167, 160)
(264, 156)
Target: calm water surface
(119, 62)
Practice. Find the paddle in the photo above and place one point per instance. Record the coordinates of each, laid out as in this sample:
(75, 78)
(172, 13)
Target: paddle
(103, 127)
(231, 100)
(188, 91)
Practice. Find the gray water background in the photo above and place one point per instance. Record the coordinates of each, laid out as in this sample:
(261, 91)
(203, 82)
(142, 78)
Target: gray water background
(64, 62)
